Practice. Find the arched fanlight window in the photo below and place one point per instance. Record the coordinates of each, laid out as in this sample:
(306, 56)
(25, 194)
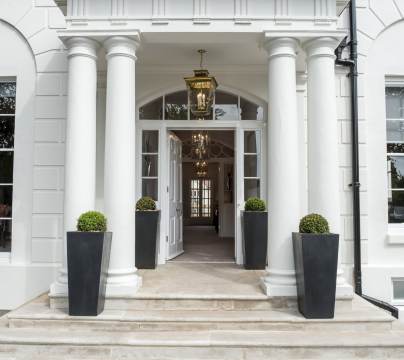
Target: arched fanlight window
(227, 106)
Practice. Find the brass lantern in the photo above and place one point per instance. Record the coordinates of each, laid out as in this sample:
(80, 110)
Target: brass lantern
(201, 90)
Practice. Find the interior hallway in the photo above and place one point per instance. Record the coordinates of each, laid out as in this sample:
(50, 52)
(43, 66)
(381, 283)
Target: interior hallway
(202, 244)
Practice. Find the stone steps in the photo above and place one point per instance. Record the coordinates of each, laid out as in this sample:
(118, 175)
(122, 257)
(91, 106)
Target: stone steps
(185, 320)
(358, 331)
(36, 344)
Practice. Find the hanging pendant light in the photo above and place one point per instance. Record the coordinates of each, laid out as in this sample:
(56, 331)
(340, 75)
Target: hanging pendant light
(201, 90)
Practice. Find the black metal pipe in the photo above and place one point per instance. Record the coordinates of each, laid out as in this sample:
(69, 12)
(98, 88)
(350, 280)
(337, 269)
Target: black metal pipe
(352, 63)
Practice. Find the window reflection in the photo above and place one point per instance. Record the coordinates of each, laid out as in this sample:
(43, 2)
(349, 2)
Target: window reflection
(227, 107)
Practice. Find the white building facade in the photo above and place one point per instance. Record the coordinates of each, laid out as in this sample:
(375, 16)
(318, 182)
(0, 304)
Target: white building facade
(80, 83)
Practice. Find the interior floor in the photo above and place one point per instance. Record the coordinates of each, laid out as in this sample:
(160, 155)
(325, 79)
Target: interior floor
(202, 244)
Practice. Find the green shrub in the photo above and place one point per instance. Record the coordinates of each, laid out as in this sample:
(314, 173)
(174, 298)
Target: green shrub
(146, 203)
(314, 224)
(255, 204)
(92, 221)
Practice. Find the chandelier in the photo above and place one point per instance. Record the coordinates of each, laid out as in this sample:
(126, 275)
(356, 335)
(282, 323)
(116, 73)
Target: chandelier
(201, 90)
(200, 144)
(200, 152)
(201, 167)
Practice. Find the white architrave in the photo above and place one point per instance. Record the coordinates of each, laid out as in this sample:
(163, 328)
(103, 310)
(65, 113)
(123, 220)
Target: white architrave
(283, 166)
(323, 162)
(80, 159)
(120, 160)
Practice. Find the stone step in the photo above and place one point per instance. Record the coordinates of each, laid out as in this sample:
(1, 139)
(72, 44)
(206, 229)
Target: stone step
(186, 320)
(35, 344)
(197, 302)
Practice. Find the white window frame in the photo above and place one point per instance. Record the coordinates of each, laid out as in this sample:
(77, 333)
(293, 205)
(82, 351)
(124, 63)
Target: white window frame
(395, 230)
(6, 254)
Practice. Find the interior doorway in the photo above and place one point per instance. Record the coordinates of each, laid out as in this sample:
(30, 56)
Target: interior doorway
(202, 206)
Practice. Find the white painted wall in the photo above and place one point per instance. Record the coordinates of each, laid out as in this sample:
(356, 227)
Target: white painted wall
(32, 52)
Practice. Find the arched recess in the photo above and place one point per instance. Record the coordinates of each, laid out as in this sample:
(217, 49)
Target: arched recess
(23, 72)
(380, 71)
(30, 50)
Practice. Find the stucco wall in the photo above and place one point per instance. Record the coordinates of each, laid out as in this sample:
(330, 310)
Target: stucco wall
(380, 29)
(32, 52)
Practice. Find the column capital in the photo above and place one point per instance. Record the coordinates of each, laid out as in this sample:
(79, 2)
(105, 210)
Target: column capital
(321, 47)
(82, 46)
(121, 46)
(282, 46)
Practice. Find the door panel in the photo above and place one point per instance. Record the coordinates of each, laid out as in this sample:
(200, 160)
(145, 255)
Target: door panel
(175, 240)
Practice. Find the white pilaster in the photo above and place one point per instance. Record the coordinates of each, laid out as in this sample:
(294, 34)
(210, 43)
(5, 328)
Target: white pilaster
(80, 160)
(323, 162)
(283, 166)
(119, 186)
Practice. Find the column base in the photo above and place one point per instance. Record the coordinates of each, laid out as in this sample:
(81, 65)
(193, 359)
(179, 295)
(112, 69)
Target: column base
(283, 284)
(279, 283)
(123, 283)
(60, 286)
(120, 283)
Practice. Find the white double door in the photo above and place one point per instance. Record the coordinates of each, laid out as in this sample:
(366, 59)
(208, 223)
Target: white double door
(175, 245)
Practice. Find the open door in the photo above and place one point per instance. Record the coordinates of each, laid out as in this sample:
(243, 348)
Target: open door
(175, 238)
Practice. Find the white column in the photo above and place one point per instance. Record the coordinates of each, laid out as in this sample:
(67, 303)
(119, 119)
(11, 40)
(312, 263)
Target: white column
(323, 162)
(80, 158)
(119, 186)
(283, 166)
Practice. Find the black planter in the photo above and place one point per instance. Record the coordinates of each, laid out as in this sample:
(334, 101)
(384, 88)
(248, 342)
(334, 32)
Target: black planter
(147, 223)
(87, 263)
(255, 239)
(316, 262)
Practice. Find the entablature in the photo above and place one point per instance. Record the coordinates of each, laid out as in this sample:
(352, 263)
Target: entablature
(203, 15)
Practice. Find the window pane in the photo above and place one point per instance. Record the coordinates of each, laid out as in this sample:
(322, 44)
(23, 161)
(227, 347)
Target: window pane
(250, 166)
(395, 102)
(398, 289)
(395, 130)
(7, 132)
(251, 142)
(6, 198)
(226, 107)
(150, 188)
(6, 167)
(177, 106)
(250, 111)
(396, 172)
(7, 97)
(251, 188)
(152, 110)
(150, 141)
(395, 148)
(396, 206)
(194, 198)
(149, 165)
(5, 235)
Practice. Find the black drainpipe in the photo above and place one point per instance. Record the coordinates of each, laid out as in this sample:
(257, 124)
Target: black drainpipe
(352, 63)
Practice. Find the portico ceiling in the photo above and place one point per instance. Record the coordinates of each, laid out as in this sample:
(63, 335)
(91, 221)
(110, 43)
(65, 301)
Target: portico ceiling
(179, 51)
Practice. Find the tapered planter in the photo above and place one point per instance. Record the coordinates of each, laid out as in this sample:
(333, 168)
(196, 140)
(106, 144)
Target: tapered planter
(316, 262)
(147, 226)
(255, 239)
(87, 263)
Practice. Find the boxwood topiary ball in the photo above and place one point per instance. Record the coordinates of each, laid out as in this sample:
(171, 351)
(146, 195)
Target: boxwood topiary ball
(92, 221)
(146, 203)
(314, 224)
(255, 204)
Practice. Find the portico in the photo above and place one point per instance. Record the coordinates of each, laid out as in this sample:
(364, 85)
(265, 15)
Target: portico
(284, 173)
